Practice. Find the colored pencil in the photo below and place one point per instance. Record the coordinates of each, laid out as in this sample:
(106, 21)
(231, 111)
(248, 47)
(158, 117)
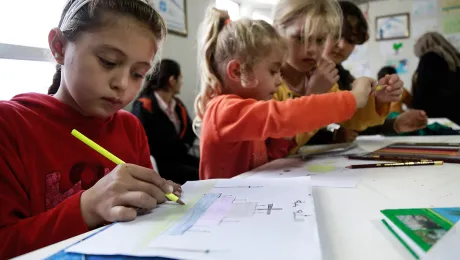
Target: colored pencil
(386, 158)
(114, 159)
(399, 164)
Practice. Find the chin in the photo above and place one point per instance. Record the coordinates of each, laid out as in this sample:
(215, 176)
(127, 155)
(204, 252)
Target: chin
(103, 113)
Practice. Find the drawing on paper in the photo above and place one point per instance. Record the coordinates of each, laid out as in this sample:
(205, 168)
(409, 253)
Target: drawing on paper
(238, 187)
(299, 215)
(215, 209)
(268, 208)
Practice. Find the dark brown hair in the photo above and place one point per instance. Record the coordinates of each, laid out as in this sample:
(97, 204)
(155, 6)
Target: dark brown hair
(159, 78)
(355, 27)
(90, 18)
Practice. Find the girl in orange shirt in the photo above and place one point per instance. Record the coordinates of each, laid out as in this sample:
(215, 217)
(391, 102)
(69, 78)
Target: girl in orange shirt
(240, 64)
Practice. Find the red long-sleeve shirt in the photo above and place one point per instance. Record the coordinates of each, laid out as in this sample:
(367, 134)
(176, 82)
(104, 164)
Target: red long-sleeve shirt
(235, 129)
(44, 169)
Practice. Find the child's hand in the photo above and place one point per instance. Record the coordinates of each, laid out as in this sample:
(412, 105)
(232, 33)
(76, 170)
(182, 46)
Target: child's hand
(116, 196)
(343, 135)
(323, 78)
(361, 89)
(177, 188)
(392, 90)
(410, 121)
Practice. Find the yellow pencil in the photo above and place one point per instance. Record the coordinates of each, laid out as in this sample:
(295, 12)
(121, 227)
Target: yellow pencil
(114, 159)
(379, 87)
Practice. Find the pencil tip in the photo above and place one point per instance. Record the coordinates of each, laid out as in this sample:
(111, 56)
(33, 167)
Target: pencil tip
(180, 202)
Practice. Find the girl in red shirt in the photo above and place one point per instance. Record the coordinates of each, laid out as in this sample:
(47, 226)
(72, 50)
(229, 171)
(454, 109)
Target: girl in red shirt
(52, 186)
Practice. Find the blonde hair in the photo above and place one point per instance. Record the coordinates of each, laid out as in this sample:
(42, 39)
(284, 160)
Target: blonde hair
(321, 17)
(220, 41)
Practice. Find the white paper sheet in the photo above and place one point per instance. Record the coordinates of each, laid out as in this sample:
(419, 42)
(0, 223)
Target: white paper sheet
(235, 219)
(323, 171)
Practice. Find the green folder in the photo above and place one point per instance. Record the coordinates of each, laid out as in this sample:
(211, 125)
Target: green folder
(420, 228)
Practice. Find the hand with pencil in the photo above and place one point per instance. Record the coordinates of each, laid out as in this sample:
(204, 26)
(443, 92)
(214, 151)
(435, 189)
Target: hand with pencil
(116, 196)
(120, 194)
(390, 89)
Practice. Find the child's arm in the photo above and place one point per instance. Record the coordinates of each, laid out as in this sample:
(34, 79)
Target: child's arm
(279, 148)
(370, 115)
(20, 231)
(233, 119)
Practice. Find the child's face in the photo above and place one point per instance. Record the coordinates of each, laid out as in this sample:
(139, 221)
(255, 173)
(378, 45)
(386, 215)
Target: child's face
(339, 51)
(303, 53)
(176, 85)
(104, 69)
(264, 79)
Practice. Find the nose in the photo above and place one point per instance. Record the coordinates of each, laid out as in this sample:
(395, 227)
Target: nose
(120, 81)
(340, 44)
(278, 81)
(311, 48)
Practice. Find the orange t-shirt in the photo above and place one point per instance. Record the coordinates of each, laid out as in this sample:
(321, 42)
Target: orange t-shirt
(234, 129)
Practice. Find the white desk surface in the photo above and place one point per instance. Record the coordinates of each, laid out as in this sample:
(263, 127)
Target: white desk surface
(349, 219)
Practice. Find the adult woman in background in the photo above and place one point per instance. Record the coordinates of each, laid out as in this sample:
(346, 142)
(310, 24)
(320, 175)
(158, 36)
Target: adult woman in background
(167, 123)
(436, 82)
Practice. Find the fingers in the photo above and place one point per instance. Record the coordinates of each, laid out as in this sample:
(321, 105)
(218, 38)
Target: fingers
(148, 175)
(177, 188)
(121, 213)
(148, 188)
(392, 79)
(336, 78)
(136, 199)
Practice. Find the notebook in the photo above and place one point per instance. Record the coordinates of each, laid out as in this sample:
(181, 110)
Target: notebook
(447, 152)
(419, 229)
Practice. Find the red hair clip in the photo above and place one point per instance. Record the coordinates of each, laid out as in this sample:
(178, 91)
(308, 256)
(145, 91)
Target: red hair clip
(227, 21)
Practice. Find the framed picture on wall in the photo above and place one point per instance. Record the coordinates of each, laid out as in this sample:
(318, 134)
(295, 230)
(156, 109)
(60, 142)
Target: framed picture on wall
(175, 14)
(392, 27)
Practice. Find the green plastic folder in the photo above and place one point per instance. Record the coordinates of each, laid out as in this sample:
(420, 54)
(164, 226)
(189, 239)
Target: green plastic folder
(420, 228)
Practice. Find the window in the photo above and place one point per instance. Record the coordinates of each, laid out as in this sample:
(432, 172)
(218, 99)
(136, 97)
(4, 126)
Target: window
(27, 22)
(231, 7)
(24, 54)
(258, 15)
(22, 76)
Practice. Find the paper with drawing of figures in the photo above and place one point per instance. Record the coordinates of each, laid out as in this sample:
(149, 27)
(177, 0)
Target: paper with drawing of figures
(222, 219)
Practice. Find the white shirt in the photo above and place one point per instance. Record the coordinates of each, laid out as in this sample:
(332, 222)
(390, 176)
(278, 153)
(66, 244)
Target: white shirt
(169, 110)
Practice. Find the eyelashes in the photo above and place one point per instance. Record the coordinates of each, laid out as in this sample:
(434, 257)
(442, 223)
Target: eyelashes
(110, 65)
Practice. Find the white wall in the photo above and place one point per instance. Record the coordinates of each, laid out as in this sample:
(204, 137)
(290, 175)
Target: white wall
(184, 51)
(376, 53)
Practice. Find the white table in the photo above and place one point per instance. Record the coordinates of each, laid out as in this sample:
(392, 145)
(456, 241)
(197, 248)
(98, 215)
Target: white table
(349, 219)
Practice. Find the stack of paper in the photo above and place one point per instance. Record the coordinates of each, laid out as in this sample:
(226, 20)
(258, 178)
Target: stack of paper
(222, 219)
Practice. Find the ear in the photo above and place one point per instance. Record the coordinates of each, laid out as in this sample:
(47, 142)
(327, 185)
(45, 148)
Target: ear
(172, 82)
(234, 71)
(56, 43)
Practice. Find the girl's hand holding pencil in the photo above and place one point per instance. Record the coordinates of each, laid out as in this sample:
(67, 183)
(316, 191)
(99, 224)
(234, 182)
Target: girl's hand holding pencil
(116, 196)
(120, 194)
(389, 89)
